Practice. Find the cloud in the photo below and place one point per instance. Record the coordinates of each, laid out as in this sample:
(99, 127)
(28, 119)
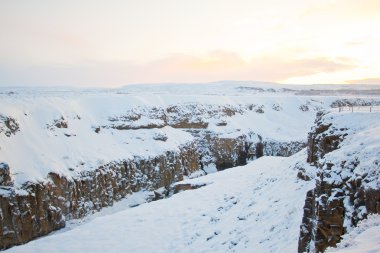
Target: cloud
(364, 81)
(222, 65)
(215, 66)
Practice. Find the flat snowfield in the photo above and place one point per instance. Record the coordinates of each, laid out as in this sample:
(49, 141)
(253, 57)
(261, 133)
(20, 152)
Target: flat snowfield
(253, 208)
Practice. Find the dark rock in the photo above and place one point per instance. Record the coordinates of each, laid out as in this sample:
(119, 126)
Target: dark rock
(160, 137)
(221, 123)
(259, 149)
(304, 108)
(260, 109)
(8, 125)
(5, 176)
(185, 187)
(61, 123)
(325, 210)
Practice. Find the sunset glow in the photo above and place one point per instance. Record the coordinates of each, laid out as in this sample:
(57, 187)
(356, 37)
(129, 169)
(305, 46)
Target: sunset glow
(113, 43)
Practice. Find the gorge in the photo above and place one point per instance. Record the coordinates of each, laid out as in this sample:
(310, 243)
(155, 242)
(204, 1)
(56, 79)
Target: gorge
(65, 154)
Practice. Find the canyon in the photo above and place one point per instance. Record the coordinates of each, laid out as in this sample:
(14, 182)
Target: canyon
(67, 154)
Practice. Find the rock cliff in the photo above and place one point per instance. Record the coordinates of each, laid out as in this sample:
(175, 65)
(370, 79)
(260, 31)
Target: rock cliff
(39, 208)
(345, 156)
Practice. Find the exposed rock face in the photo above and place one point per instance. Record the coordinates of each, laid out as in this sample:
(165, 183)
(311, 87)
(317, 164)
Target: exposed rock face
(322, 140)
(322, 223)
(340, 199)
(229, 152)
(40, 208)
(191, 116)
(276, 148)
(259, 149)
(5, 177)
(28, 215)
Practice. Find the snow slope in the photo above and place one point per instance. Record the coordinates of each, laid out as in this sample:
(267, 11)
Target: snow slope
(254, 208)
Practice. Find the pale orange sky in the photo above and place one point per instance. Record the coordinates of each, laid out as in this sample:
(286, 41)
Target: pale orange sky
(117, 42)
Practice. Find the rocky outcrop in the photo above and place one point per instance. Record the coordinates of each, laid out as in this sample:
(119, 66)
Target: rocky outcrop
(8, 125)
(230, 152)
(227, 153)
(323, 218)
(340, 198)
(39, 208)
(5, 176)
(186, 116)
(189, 116)
(285, 149)
(27, 214)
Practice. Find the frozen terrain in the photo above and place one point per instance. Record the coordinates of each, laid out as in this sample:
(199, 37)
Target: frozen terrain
(68, 130)
(254, 208)
(102, 145)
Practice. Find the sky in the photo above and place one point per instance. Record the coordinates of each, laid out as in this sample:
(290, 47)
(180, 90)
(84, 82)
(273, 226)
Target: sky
(118, 42)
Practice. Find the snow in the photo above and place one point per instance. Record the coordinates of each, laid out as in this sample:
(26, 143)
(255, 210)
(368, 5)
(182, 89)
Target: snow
(39, 147)
(253, 208)
(362, 144)
(365, 238)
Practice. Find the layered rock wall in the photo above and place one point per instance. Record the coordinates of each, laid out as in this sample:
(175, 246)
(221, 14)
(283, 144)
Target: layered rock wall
(39, 208)
(341, 197)
(226, 153)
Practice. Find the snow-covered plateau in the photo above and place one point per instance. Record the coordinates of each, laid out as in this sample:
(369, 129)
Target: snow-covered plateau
(78, 160)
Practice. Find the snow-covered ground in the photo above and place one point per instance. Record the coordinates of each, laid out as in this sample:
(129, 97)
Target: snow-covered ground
(91, 116)
(39, 146)
(254, 208)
